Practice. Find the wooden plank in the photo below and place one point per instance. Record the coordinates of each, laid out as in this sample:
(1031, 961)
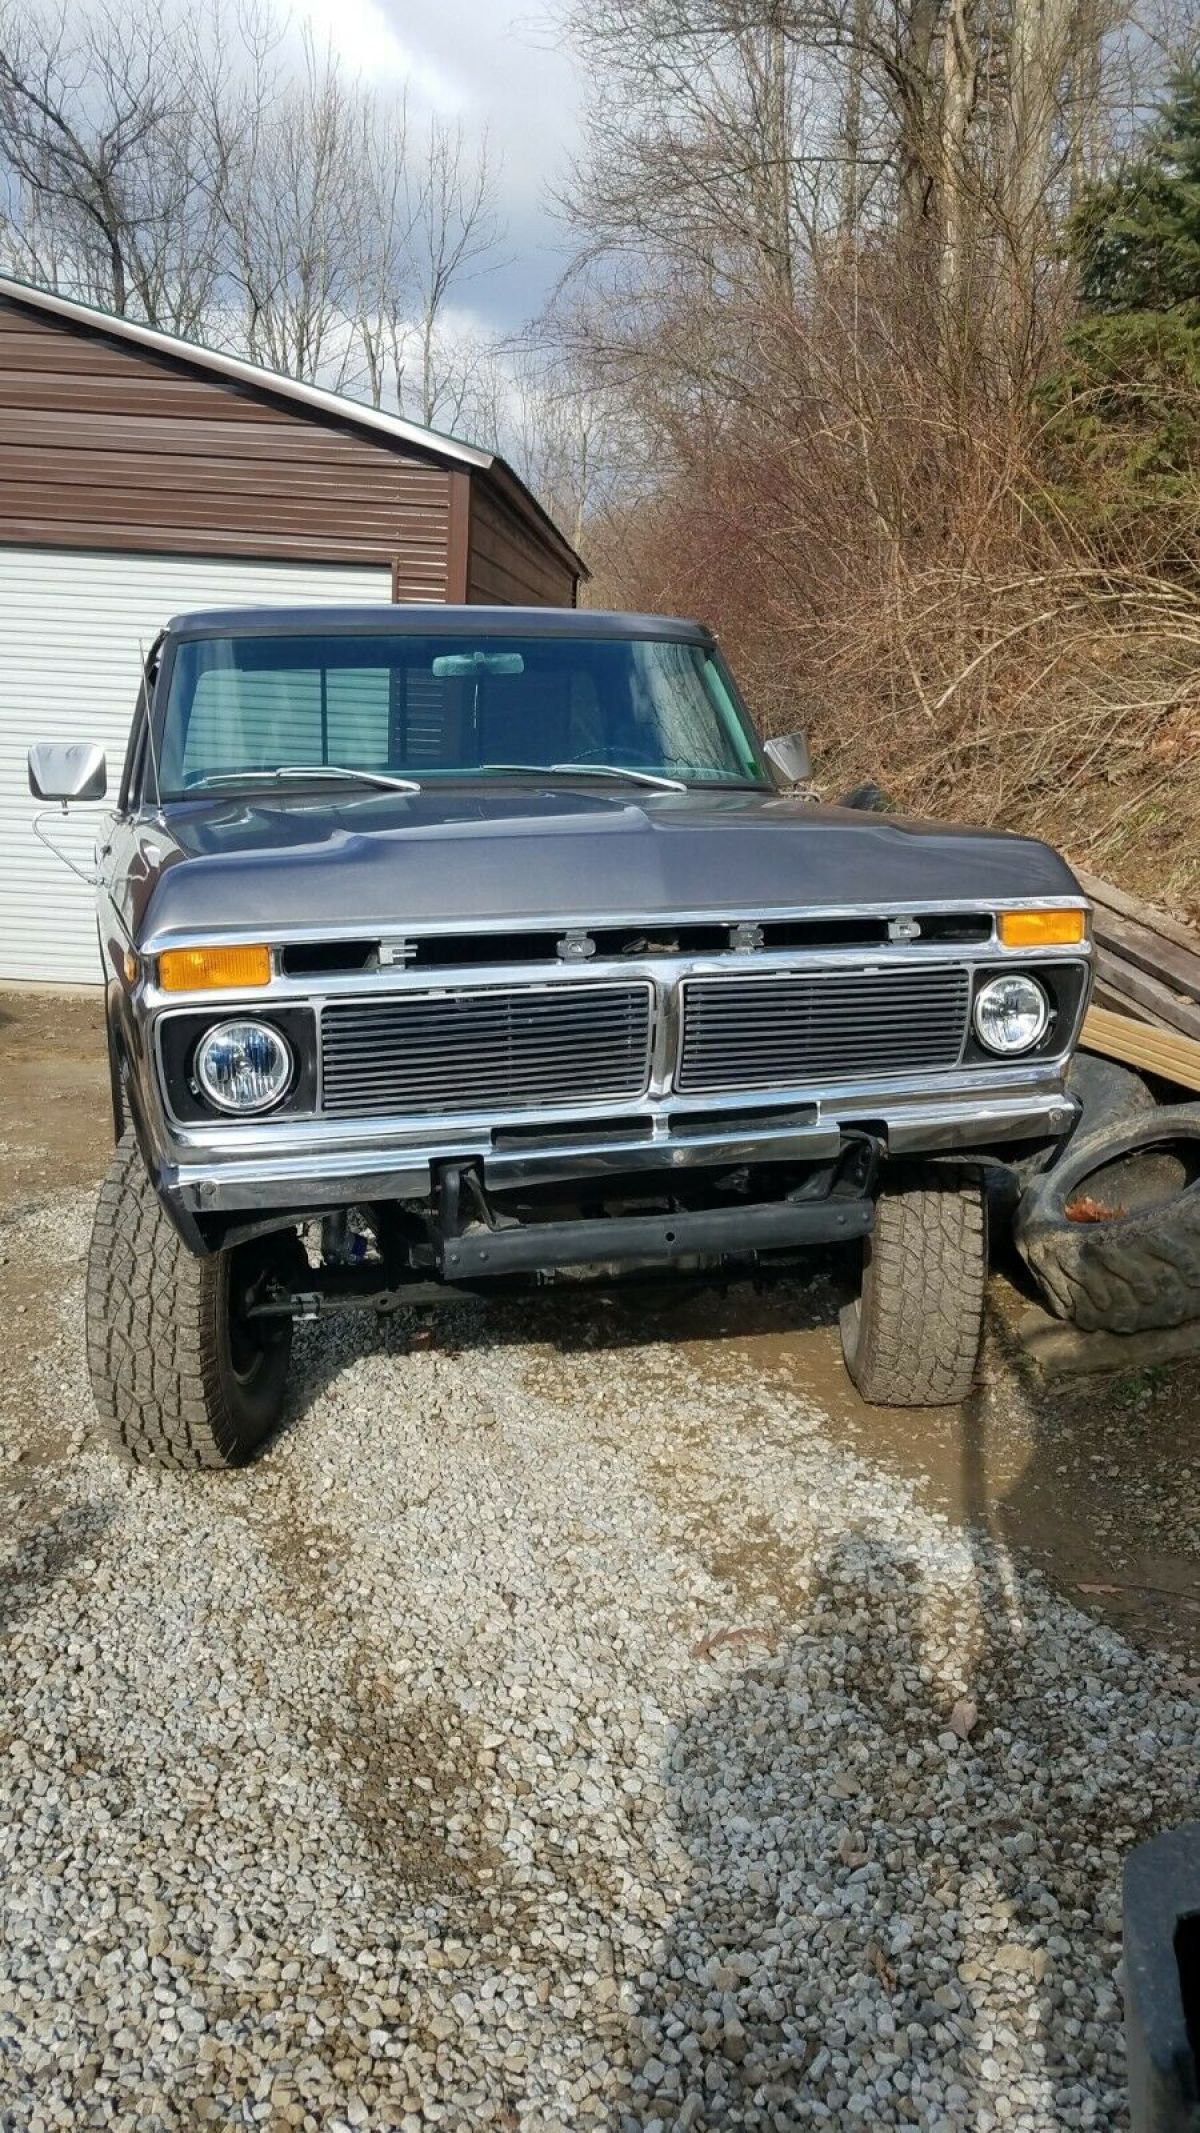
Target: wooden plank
(1165, 960)
(1139, 1044)
(1148, 993)
(1111, 898)
(1103, 997)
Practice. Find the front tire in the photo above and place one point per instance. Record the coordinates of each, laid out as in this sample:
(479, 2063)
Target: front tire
(180, 1378)
(911, 1336)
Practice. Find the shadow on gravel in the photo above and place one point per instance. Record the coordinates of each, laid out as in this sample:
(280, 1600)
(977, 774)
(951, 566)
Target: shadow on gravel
(43, 1558)
(571, 1320)
(885, 1920)
(1102, 1499)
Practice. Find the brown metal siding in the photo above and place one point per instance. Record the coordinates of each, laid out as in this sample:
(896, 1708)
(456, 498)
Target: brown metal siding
(508, 565)
(458, 540)
(106, 445)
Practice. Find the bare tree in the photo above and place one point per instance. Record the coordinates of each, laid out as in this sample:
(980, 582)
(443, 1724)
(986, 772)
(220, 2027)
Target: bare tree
(706, 137)
(383, 267)
(107, 164)
(850, 188)
(563, 437)
(454, 230)
(202, 172)
(290, 209)
(960, 75)
(1039, 44)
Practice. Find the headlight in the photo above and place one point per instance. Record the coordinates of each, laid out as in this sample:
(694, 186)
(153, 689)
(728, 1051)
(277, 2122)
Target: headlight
(243, 1066)
(1011, 1014)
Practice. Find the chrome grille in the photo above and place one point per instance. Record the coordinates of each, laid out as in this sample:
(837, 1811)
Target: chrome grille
(790, 1029)
(485, 1049)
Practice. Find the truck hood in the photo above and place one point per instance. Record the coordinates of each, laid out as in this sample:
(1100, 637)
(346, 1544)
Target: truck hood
(382, 861)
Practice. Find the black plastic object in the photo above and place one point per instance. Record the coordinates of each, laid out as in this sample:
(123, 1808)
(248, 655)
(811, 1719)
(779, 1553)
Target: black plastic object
(654, 1238)
(1162, 1982)
(1109, 1093)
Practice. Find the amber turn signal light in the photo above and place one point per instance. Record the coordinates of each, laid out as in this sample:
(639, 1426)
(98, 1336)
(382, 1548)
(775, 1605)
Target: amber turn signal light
(212, 969)
(1043, 929)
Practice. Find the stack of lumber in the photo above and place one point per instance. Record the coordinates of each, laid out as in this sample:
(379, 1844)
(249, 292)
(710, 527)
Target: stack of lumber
(1147, 999)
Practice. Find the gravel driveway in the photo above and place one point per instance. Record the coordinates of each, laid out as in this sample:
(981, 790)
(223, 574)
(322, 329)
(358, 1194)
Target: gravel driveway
(555, 1728)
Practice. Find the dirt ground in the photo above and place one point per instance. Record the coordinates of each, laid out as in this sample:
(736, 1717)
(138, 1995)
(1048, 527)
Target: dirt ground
(1094, 1482)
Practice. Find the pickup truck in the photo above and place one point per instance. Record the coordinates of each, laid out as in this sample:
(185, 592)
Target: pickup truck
(473, 950)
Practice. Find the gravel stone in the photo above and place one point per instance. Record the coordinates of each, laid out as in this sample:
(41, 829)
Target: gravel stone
(557, 1728)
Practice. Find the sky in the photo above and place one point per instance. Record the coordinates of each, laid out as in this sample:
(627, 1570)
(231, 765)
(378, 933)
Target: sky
(492, 64)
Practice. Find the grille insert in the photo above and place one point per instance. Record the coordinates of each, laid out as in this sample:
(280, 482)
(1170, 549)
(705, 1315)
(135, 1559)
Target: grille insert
(485, 1049)
(791, 1029)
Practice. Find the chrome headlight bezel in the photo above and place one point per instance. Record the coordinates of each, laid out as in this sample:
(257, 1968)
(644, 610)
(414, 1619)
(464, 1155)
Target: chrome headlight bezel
(1037, 1001)
(279, 1064)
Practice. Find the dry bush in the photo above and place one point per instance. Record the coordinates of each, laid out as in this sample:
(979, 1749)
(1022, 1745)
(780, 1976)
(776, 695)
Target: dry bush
(886, 566)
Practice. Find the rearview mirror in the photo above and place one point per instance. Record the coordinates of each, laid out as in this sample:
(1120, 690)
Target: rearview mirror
(466, 666)
(67, 770)
(789, 755)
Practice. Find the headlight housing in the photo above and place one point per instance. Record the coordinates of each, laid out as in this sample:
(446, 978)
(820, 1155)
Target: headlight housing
(243, 1067)
(1011, 1014)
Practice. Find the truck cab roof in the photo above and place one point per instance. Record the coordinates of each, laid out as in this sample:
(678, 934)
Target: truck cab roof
(434, 618)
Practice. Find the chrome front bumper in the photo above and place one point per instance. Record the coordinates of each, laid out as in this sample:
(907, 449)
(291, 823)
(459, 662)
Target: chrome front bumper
(316, 1164)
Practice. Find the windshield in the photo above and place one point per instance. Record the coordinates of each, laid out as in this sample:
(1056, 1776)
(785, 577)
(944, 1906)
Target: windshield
(435, 708)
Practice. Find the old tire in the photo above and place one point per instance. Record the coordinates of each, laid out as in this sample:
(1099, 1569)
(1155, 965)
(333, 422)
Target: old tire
(1108, 1092)
(179, 1380)
(1139, 1269)
(911, 1336)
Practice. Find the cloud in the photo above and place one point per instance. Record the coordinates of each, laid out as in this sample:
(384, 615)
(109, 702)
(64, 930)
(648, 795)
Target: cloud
(362, 36)
(481, 62)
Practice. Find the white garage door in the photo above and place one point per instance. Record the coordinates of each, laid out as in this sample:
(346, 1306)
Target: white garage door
(70, 629)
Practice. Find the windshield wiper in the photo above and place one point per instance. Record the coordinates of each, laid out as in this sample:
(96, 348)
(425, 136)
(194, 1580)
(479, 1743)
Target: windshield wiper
(306, 770)
(591, 770)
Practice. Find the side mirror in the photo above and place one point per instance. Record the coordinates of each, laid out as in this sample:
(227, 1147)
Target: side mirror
(789, 755)
(67, 770)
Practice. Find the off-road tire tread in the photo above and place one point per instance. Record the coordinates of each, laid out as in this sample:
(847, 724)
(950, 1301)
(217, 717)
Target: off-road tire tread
(153, 1318)
(1137, 1274)
(914, 1340)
